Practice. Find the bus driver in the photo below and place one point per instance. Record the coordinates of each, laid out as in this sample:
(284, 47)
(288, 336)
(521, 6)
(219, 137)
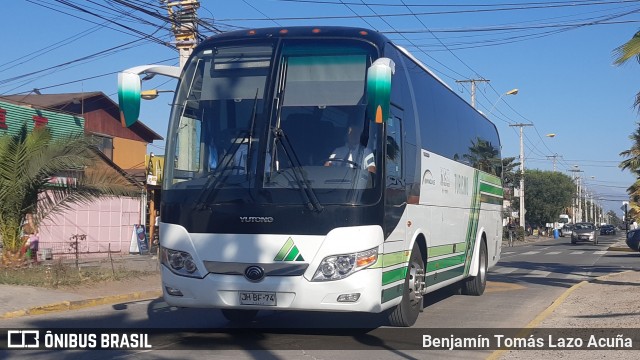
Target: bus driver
(353, 154)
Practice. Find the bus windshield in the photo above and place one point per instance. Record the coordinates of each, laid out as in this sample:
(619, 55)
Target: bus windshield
(311, 140)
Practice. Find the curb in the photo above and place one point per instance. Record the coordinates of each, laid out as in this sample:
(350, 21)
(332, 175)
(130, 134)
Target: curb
(548, 311)
(81, 304)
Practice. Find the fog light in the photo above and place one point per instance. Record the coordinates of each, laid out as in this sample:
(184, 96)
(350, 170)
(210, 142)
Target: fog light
(173, 292)
(349, 297)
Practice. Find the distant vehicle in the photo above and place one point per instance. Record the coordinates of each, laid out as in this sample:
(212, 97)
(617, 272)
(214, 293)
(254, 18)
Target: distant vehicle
(607, 230)
(584, 232)
(563, 220)
(566, 230)
(633, 240)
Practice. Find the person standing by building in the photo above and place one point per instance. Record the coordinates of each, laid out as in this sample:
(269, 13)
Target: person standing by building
(511, 227)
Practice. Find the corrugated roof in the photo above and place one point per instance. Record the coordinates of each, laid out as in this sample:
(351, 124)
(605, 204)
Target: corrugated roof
(58, 102)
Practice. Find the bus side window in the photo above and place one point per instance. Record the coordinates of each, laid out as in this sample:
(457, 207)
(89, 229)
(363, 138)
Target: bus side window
(394, 145)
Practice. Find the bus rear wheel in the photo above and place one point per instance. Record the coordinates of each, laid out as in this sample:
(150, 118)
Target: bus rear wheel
(239, 316)
(406, 313)
(475, 285)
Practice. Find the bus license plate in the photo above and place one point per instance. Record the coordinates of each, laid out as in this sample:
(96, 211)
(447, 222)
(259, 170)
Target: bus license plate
(258, 298)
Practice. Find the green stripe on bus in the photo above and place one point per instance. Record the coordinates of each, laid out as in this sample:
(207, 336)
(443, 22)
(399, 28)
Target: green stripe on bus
(299, 258)
(391, 259)
(440, 250)
(490, 199)
(488, 188)
(284, 250)
(474, 215)
(446, 249)
(392, 293)
(443, 276)
(445, 263)
(292, 254)
(391, 276)
(491, 179)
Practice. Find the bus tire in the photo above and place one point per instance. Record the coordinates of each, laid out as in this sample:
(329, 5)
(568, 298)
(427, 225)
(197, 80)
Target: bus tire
(406, 313)
(239, 316)
(475, 285)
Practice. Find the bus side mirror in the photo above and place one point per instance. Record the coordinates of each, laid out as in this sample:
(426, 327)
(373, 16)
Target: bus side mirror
(129, 88)
(129, 97)
(379, 89)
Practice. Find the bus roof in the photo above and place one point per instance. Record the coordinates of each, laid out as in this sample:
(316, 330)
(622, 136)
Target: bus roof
(301, 32)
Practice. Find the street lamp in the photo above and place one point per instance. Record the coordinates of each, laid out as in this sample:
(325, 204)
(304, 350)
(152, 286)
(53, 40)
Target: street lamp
(152, 94)
(554, 156)
(510, 92)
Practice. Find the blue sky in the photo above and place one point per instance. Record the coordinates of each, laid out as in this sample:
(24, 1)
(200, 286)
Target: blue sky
(558, 56)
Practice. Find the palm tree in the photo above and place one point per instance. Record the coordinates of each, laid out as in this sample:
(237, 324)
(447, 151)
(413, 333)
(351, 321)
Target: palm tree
(28, 161)
(627, 51)
(623, 53)
(510, 172)
(484, 156)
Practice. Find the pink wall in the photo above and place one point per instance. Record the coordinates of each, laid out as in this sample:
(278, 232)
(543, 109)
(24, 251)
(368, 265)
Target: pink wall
(106, 222)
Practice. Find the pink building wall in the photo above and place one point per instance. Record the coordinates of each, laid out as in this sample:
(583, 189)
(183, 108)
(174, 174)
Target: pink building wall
(107, 223)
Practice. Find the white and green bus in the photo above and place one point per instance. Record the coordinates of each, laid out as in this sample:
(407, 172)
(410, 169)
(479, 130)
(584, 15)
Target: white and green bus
(321, 169)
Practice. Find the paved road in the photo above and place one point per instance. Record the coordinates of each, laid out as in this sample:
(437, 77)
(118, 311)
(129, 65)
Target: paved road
(525, 282)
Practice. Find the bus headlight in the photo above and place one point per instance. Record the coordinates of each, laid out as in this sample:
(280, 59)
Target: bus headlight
(336, 267)
(179, 262)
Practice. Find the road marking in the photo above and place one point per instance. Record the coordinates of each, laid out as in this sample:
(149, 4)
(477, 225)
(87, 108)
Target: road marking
(505, 270)
(554, 252)
(600, 252)
(577, 252)
(530, 253)
(508, 252)
(573, 276)
(538, 273)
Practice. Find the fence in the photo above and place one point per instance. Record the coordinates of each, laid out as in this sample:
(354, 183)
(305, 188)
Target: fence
(76, 247)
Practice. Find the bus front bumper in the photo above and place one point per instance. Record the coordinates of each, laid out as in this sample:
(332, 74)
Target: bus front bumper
(277, 292)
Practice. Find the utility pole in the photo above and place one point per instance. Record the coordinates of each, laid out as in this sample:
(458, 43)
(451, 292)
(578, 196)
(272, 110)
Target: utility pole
(184, 25)
(554, 157)
(522, 210)
(577, 215)
(473, 88)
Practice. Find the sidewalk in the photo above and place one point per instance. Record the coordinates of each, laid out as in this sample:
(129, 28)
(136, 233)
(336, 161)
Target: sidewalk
(608, 302)
(18, 301)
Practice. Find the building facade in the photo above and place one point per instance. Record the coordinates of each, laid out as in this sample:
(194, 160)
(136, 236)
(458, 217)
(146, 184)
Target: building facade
(106, 225)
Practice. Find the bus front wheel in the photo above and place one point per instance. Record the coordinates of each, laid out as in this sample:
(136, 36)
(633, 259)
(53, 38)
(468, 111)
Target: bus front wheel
(406, 313)
(239, 316)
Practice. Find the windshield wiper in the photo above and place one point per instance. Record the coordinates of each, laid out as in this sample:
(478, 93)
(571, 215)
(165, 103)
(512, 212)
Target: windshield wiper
(253, 125)
(302, 181)
(212, 179)
(215, 176)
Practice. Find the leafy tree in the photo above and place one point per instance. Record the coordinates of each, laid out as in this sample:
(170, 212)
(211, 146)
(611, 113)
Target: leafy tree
(547, 194)
(28, 161)
(613, 218)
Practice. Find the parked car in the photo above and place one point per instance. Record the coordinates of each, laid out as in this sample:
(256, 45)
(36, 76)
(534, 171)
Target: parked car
(607, 230)
(584, 232)
(633, 239)
(566, 230)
